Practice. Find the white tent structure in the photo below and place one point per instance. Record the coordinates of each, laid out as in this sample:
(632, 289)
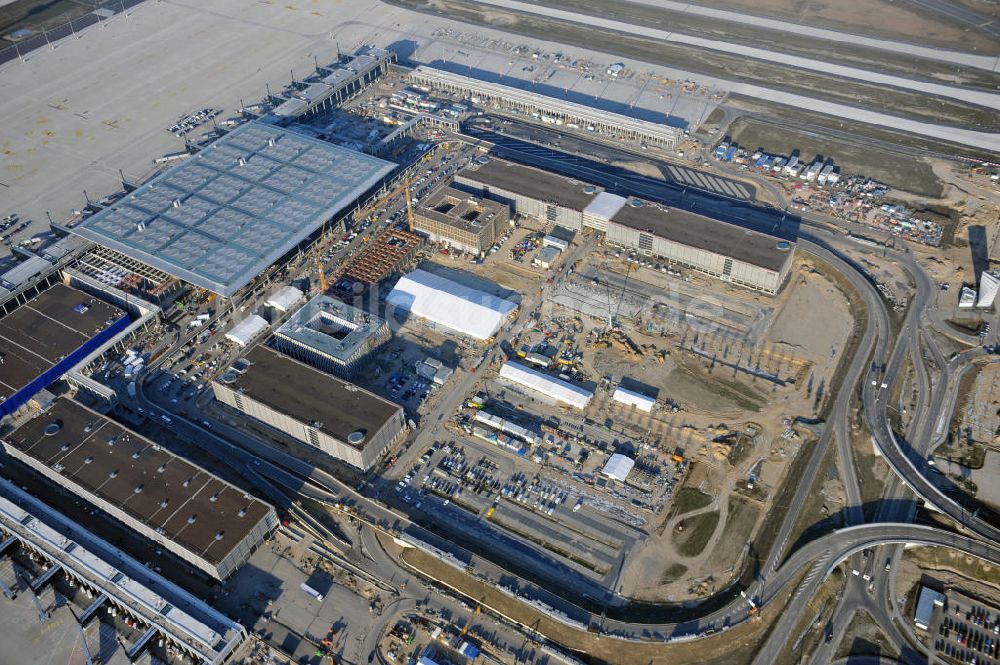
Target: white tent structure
(635, 399)
(563, 391)
(455, 306)
(247, 330)
(989, 285)
(618, 467)
(284, 299)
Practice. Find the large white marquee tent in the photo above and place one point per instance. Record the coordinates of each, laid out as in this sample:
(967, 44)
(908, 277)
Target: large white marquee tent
(447, 303)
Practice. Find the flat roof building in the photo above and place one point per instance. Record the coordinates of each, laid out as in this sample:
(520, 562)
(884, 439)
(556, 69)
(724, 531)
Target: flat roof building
(45, 337)
(110, 578)
(331, 335)
(725, 251)
(529, 191)
(219, 218)
(461, 220)
(202, 519)
(321, 410)
(551, 109)
(722, 250)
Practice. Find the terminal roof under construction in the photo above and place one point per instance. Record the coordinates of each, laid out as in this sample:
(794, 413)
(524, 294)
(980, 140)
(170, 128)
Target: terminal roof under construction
(222, 216)
(158, 494)
(46, 336)
(447, 303)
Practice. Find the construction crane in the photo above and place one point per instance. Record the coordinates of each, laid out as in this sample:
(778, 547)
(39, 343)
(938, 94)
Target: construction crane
(320, 270)
(409, 204)
(367, 210)
(465, 628)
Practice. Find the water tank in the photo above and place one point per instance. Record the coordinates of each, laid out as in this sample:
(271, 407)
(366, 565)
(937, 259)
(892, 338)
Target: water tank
(783, 245)
(356, 437)
(53, 428)
(589, 189)
(635, 203)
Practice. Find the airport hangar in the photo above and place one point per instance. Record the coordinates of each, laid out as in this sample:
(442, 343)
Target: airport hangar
(725, 251)
(200, 518)
(220, 218)
(336, 417)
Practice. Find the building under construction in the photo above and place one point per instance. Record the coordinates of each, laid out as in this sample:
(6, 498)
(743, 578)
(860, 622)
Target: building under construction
(461, 220)
(386, 256)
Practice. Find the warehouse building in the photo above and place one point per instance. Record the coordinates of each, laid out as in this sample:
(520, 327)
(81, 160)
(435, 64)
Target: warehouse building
(725, 251)
(461, 221)
(43, 338)
(205, 521)
(447, 303)
(548, 109)
(336, 417)
(331, 336)
(219, 218)
(562, 391)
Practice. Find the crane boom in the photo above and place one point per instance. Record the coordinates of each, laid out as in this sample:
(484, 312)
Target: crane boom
(409, 204)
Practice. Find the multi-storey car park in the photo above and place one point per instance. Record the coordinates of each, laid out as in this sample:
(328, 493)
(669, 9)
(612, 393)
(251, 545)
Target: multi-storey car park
(331, 335)
(96, 577)
(45, 337)
(725, 251)
(200, 518)
(333, 416)
(548, 109)
(220, 218)
(459, 220)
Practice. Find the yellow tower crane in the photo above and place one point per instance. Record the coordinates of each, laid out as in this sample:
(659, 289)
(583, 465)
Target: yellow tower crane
(409, 204)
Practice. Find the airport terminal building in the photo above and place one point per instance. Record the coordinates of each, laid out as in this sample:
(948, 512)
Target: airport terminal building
(220, 218)
(203, 520)
(728, 252)
(334, 416)
(548, 109)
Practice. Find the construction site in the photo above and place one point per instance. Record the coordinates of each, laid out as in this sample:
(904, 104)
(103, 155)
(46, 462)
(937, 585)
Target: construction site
(639, 420)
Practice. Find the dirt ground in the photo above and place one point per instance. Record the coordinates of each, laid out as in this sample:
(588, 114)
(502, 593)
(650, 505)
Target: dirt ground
(854, 158)
(735, 647)
(882, 18)
(961, 571)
